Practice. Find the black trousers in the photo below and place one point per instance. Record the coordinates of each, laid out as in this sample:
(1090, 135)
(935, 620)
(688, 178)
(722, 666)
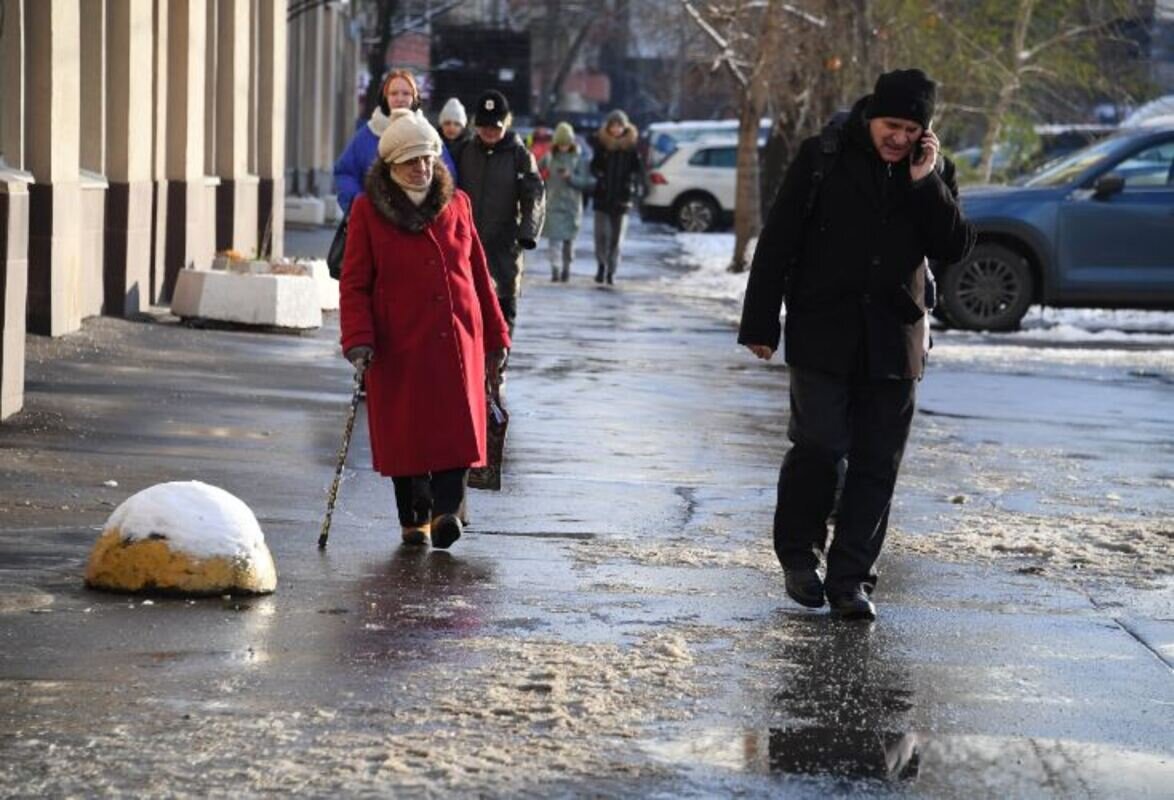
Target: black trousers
(832, 417)
(509, 310)
(419, 498)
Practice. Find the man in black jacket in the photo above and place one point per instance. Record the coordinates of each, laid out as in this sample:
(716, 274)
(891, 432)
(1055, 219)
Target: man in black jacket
(509, 199)
(846, 245)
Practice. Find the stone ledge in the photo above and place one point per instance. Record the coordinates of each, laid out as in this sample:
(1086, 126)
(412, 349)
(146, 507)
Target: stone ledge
(279, 301)
(305, 211)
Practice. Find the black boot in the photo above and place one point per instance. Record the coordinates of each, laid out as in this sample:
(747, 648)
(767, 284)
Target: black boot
(599, 274)
(446, 529)
(803, 586)
(853, 605)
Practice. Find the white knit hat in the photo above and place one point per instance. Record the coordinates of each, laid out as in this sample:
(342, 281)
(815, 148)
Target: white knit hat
(453, 111)
(408, 135)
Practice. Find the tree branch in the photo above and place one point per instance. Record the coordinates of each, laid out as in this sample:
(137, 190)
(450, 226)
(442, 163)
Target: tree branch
(1071, 33)
(725, 56)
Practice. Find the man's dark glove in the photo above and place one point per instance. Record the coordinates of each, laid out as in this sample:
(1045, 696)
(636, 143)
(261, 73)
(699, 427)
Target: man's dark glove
(494, 364)
(527, 244)
(360, 357)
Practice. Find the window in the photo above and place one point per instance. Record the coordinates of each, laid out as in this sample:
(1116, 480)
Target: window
(722, 157)
(1153, 166)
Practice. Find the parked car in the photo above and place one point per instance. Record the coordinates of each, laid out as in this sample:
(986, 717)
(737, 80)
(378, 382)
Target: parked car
(1094, 228)
(1154, 109)
(694, 187)
(660, 139)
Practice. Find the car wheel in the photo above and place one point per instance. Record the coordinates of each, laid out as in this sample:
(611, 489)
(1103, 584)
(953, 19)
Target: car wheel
(696, 214)
(989, 291)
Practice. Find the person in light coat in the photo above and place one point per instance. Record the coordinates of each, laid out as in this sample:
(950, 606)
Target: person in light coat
(568, 179)
(420, 321)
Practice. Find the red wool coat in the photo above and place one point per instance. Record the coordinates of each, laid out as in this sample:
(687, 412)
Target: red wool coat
(416, 288)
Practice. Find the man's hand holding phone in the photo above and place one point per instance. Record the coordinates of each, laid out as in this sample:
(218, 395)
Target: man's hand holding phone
(924, 157)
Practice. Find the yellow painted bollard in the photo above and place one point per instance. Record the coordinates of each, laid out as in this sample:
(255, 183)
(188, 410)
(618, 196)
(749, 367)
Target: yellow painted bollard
(184, 538)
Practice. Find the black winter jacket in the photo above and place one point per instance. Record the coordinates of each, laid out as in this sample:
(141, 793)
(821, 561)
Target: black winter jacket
(854, 273)
(617, 169)
(508, 203)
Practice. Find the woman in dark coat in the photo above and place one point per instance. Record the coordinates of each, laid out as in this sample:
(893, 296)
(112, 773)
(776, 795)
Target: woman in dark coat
(617, 169)
(419, 315)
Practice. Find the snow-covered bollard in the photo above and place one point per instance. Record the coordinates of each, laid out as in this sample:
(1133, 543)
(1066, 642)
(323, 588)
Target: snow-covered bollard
(182, 538)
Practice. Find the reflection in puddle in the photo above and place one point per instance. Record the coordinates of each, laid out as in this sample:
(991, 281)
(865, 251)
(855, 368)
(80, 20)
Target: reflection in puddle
(828, 751)
(927, 764)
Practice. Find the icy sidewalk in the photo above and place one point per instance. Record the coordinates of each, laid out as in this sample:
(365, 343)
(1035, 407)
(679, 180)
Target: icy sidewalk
(612, 625)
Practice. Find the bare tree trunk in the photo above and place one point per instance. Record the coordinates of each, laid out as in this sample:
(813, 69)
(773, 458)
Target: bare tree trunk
(1008, 90)
(748, 192)
(748, 203)
(862, 16)
(550, 98)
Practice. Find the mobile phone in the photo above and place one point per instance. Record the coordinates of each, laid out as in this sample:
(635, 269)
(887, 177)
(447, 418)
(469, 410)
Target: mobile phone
(918, 153)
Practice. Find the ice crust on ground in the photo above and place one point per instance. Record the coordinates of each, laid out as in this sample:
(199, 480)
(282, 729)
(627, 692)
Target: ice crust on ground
(198, 519)
(533, 717)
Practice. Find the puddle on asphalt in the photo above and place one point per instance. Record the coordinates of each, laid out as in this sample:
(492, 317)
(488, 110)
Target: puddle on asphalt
(220, 432)
(925, 764)
(577, 535)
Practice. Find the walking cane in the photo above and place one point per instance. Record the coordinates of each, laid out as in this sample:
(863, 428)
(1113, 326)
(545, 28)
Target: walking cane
(342, 451)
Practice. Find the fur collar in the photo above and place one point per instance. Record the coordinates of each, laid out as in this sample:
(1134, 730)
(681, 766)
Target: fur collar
(378, 122)
(393, 204)
(625, 141)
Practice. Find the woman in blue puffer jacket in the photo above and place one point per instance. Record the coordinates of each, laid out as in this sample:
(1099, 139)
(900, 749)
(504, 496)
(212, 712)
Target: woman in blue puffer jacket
(399, 91)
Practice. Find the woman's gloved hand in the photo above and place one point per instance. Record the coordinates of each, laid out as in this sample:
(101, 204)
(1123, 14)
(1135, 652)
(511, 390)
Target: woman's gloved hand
(360, 357)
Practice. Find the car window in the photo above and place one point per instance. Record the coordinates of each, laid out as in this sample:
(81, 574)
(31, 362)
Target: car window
(715, 157)
(1064, 170)
(1150, 167)
(723, 157)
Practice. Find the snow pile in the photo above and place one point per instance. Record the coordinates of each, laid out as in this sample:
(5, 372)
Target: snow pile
(707, 256)
(182, 537)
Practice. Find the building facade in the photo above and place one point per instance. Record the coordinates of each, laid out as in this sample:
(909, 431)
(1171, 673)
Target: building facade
(137, 137)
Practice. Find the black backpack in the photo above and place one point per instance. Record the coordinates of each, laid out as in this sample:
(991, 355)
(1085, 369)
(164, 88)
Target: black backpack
(829, 150)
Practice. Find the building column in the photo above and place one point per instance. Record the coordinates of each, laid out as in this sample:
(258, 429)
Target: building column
(310, 90)
(14, 210)
(52, 149)
(159, 192)
(127, 276)
(188, 237)
(14, 225)
(270, 117)
(92, 154)
(327, 106)
(236, 197)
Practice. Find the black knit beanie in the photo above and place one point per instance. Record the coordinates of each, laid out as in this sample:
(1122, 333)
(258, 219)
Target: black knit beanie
(903, 94)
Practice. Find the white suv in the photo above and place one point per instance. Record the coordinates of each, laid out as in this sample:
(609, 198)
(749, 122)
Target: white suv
(693, 188)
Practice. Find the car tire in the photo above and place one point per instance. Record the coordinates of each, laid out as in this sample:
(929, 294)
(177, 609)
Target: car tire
(990, 291)
(696, 213)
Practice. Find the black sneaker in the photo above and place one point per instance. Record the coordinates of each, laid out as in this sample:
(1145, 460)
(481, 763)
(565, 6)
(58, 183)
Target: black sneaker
(852, 606)
(446, 529)
(803, 586)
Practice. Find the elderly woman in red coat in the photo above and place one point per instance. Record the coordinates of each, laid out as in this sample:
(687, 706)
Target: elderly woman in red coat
(420, 316)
